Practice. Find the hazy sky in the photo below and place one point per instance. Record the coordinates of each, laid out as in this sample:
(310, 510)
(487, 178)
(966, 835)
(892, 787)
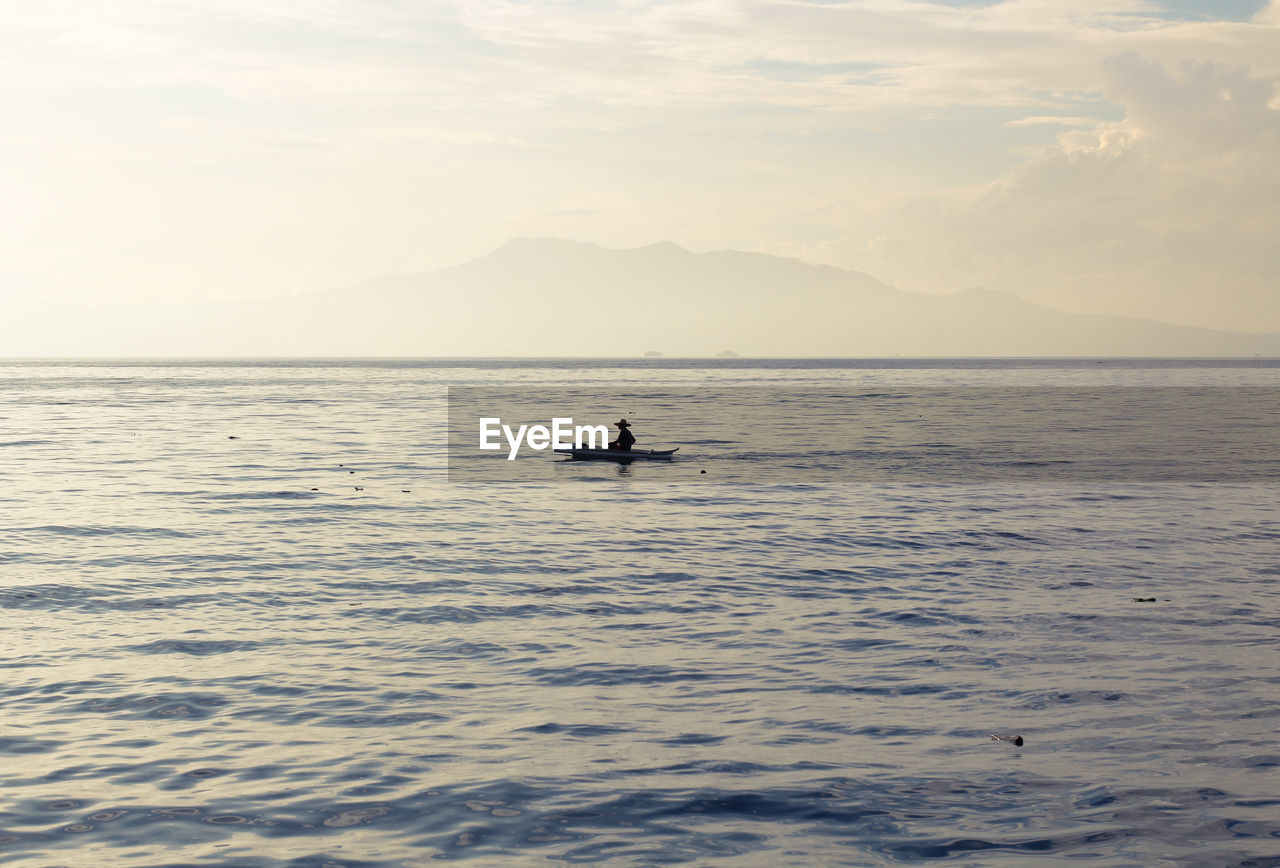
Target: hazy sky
(1105, 155)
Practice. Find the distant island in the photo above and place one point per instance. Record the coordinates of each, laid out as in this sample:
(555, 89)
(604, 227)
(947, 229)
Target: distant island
(550, 297)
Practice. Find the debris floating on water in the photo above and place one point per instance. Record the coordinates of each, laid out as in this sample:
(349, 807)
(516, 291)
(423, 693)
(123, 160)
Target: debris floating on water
(1015, 739)
(1144, 599)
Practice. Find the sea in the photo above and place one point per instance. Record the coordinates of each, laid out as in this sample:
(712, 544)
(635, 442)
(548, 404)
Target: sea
(257, 613)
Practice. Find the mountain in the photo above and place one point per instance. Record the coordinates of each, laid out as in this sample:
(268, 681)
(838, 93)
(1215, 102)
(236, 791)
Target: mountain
(548, 297)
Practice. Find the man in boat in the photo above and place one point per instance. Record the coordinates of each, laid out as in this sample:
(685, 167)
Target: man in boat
(625, 437)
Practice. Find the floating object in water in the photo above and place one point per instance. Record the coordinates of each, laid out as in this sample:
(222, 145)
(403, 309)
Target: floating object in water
(1144, 599)
(358, 488)
(1014, 739)
(404, 491)
(233, 438)
(618, 454)
(702, 471)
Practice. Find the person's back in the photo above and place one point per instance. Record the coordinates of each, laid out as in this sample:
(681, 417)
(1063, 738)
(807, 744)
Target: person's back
(625, 438)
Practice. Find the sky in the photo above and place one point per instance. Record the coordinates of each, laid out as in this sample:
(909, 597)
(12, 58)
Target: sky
(1110, 156)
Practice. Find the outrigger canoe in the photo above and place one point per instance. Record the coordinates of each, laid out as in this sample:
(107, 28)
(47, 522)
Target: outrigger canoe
(618, 454)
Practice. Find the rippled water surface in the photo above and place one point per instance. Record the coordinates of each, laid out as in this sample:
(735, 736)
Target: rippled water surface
(249, 621)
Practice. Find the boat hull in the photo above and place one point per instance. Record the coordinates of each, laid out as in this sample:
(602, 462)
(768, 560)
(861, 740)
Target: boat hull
(618, 454)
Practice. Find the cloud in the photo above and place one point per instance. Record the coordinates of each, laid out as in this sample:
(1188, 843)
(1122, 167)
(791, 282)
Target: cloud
(1173, 212)
(619, 53)
(1054, 120)
(250, 145)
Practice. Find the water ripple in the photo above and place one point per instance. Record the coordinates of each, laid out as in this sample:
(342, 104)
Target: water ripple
(304, 647)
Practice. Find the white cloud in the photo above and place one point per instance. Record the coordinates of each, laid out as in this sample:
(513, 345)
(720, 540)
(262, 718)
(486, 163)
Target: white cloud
(655, 54)
(1171, 213)
(1054, 120)
(230, 146)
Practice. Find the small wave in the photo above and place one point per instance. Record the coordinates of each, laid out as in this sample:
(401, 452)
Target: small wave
(196, 648)
(1049, 700)
(15, 745)
(37, 596)
(264, 495)
(575, 730)
(691, 738)
(107, 530)
(1043, 462)
(156, 706)
(600, 674)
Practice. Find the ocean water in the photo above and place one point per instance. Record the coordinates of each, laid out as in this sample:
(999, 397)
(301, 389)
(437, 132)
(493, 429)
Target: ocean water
(250, 618)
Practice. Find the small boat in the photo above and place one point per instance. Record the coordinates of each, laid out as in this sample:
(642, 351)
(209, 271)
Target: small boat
(618, 454)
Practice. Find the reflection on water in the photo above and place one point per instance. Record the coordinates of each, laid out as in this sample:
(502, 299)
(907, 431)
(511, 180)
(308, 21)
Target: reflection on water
(209, 662)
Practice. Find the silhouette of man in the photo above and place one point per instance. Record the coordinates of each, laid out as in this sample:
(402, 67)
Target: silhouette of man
(625, 437)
